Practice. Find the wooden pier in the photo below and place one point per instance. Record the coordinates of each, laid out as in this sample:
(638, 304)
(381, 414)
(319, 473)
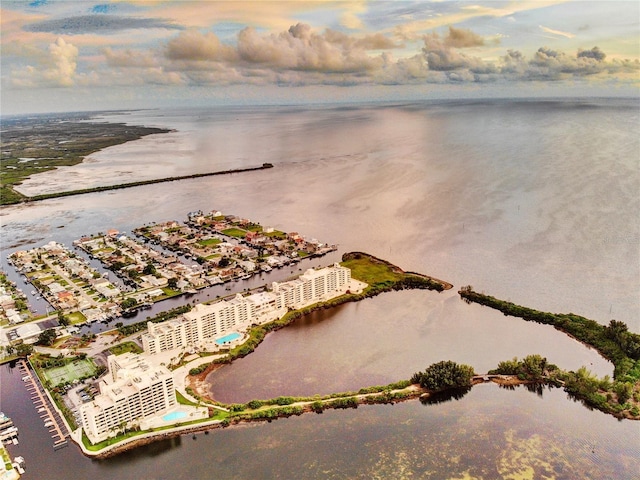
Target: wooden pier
(46, 410)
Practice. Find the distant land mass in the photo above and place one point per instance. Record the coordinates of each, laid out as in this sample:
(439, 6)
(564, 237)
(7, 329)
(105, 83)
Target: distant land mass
(36, 144)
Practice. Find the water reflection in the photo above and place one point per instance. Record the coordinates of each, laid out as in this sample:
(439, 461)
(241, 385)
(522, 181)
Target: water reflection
(511, 198)
(446, 396)
(386, 339)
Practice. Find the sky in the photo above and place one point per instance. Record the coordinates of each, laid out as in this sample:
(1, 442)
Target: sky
(93, 55)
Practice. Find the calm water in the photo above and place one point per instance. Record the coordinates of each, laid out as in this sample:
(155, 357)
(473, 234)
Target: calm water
(532, 202)
(386, 339)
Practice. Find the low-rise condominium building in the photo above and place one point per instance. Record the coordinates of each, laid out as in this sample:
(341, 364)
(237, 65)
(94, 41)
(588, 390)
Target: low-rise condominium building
(206, 322)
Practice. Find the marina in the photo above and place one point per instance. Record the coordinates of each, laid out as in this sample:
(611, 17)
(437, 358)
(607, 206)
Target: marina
(46, 411)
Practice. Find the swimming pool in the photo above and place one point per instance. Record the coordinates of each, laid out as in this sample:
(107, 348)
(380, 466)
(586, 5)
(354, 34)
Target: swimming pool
(170, 417)
(228, 338)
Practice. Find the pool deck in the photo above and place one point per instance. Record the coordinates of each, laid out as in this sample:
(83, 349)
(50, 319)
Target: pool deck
(190, 413)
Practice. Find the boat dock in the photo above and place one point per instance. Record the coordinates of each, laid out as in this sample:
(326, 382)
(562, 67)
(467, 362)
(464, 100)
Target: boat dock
(46, 411)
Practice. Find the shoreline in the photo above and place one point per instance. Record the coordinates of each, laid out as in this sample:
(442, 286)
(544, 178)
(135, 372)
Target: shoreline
(364, 268)
(411, 392)
(120, 186)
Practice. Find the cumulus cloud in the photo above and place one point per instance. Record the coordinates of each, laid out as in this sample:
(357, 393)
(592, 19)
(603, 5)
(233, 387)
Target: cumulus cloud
(97, 24)
(58, 68)
(300, 48)
(302, 56)
(129, 58)
(369, 42)
(594, 53)
(193, 45)
(441, 56)
(64, 57)
(461, 38)
(552, 64)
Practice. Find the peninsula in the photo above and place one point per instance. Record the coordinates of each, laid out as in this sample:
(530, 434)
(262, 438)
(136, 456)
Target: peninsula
(154, 382)
(40, 143)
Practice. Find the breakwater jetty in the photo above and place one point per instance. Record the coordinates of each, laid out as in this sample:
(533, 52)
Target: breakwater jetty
(69, 193)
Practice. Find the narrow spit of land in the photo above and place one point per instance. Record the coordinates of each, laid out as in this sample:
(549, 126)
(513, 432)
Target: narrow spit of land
(46, 196)
(619, 396)
(439, 382)
(36, 144)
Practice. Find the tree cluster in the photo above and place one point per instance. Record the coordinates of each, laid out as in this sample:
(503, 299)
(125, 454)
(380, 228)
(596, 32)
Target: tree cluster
(531, 367)
(47, 337)
(444, 375)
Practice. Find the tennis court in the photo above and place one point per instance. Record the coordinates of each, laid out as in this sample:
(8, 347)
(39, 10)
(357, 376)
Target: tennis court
(70, 372)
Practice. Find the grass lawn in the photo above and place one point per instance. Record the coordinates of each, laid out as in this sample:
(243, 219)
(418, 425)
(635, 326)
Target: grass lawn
(276, 234)
(70, 372)
(76, 317)
(302, 254)
(255, 228)
(235, 232)
(171, 293)
(209, 242)
(59, 341)
(371, 272)
(183, 401)
(125, 347)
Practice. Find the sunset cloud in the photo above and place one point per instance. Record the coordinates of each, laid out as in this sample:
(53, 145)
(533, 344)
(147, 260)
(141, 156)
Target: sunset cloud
(556, 32)
(57, 69)
(184, 45)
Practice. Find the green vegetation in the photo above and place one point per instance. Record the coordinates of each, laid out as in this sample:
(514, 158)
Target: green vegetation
(30, 147)
(169, 292)
(60, 371)
(614, 342)
(47, 337)
(75, 317)
(199, 369)
(235, 232)
(275, 234)
(6, 459)
(183, 401)
(443, 376)
(129, 302)
(620, 397)
(383, 276)
(209, 242)
(125, 347)
(532, 367)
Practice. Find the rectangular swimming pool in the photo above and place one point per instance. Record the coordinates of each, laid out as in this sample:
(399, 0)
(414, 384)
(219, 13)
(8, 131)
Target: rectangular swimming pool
(172, 416)
(228, 338)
